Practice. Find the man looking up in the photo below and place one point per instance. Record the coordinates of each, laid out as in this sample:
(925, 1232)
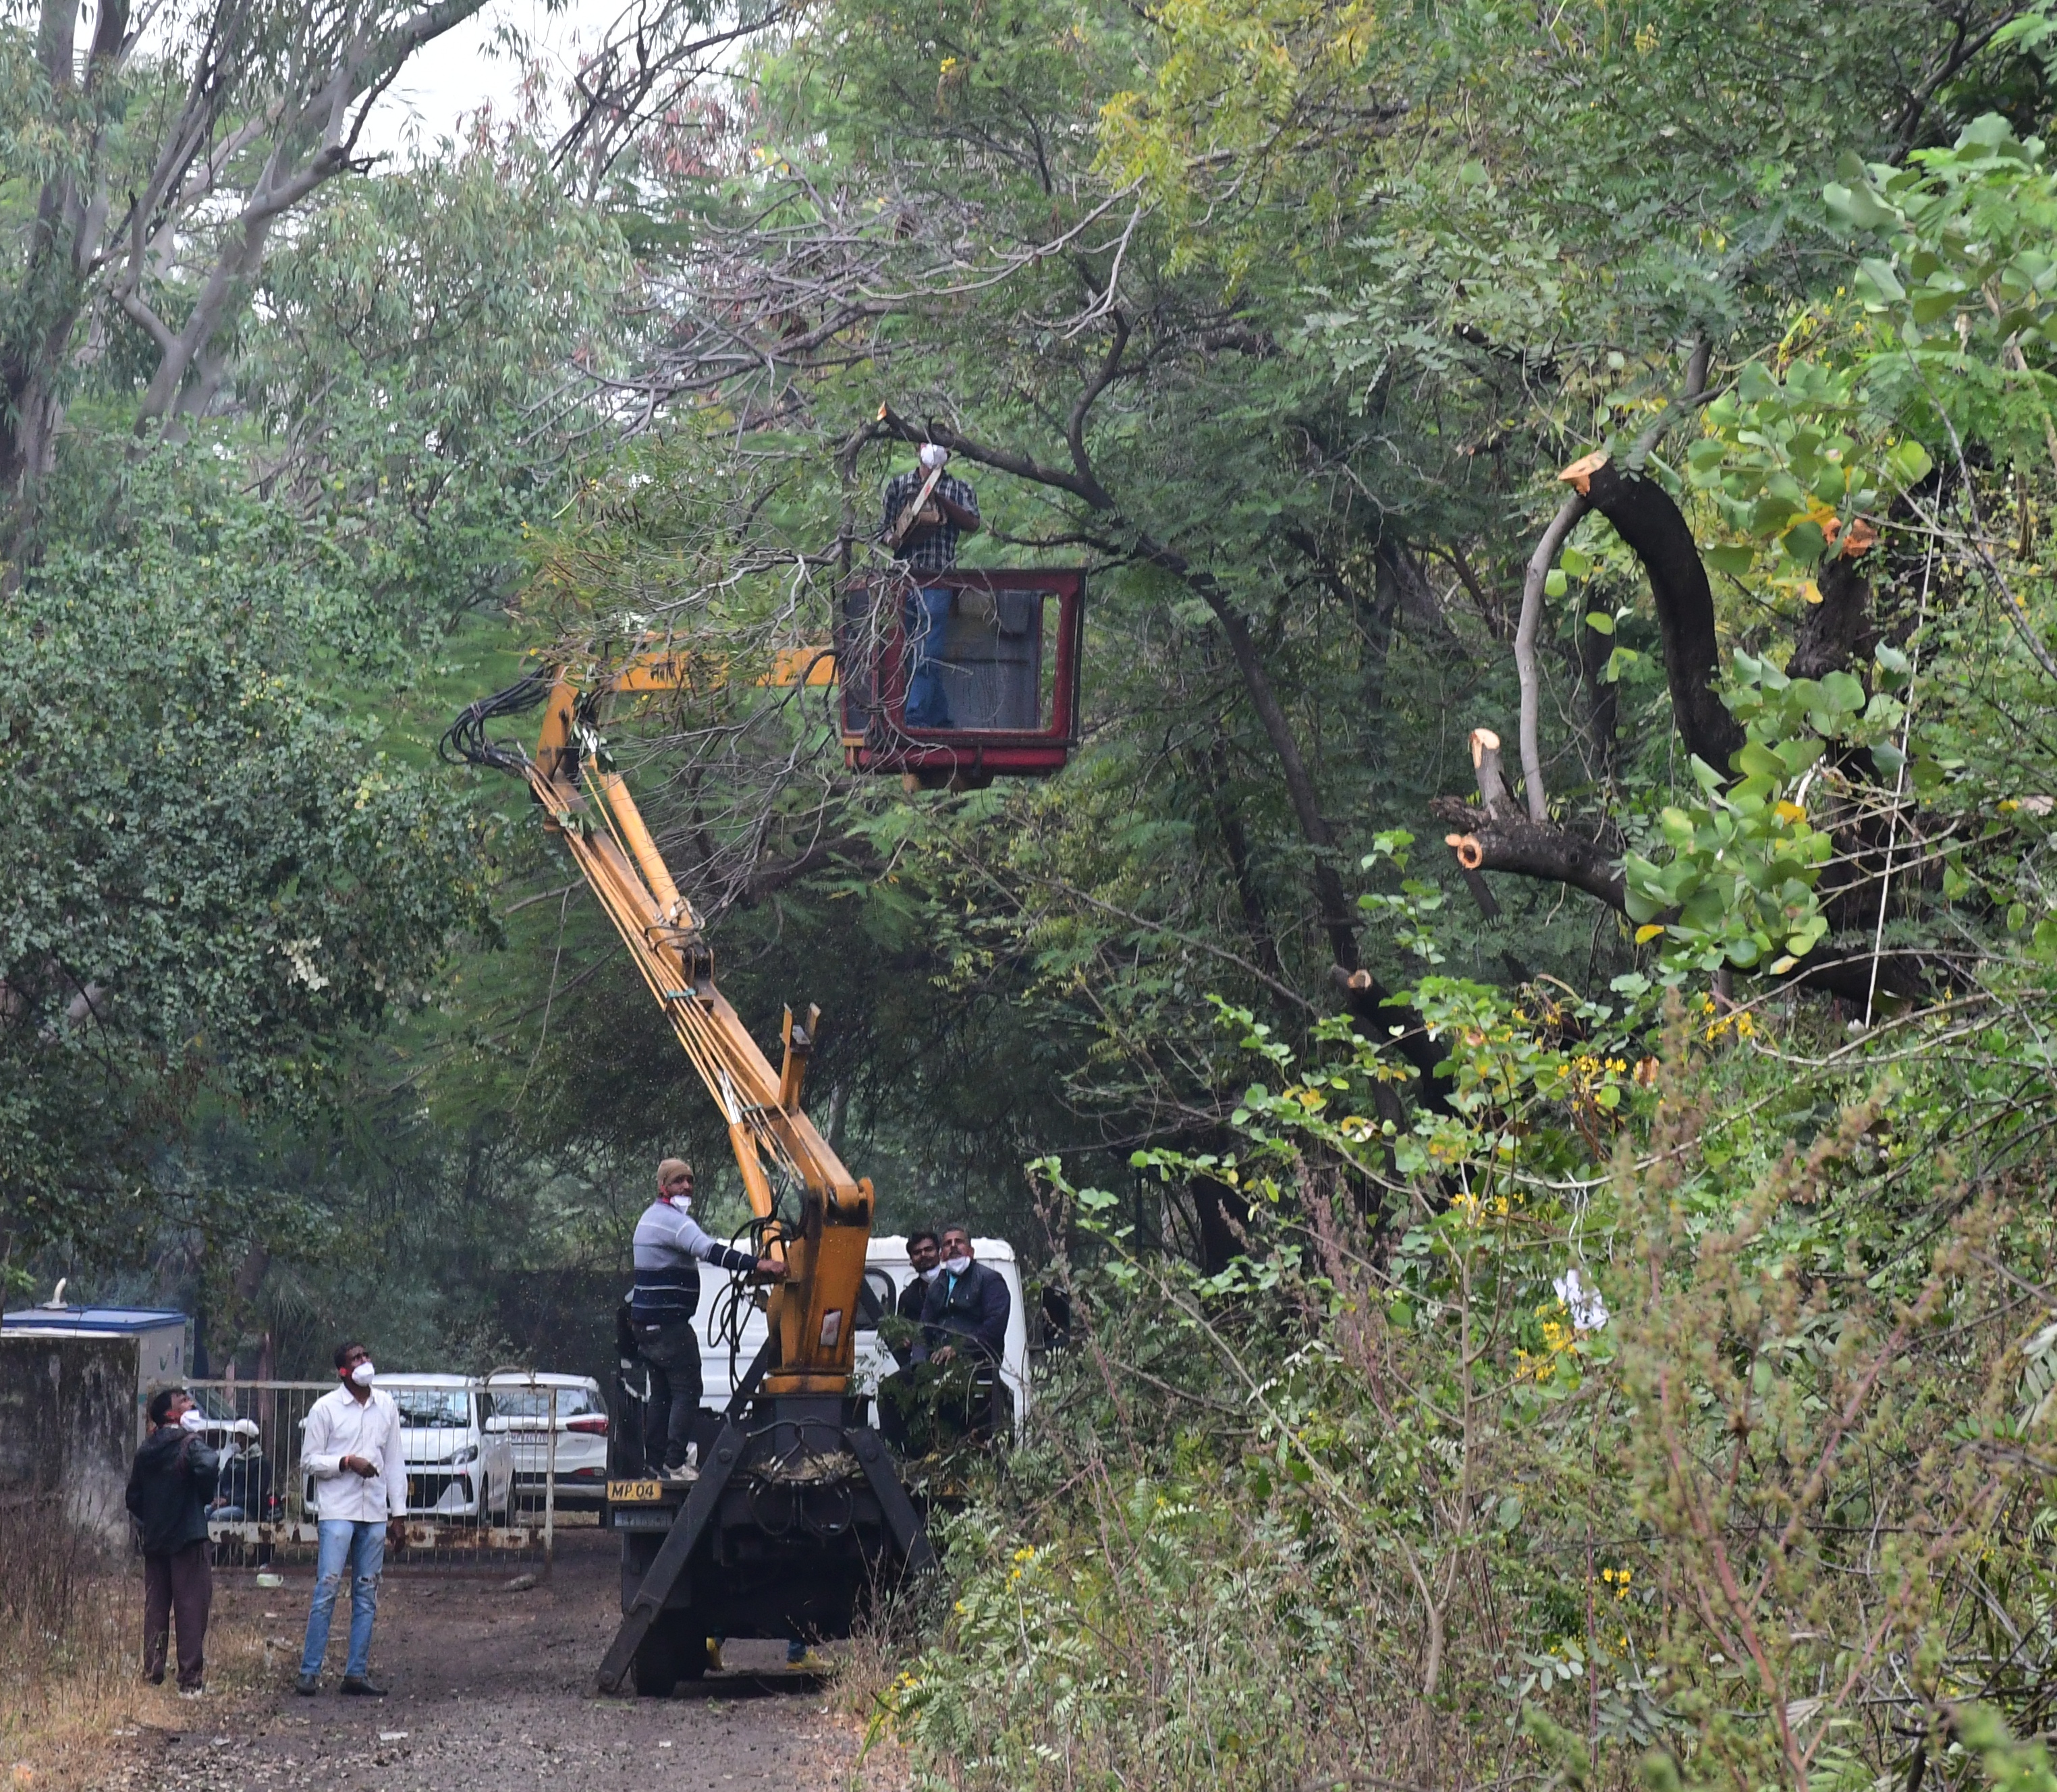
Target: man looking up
(670, 1247)
(352, 1449)
(169, 1486)
(967, 1306)
(928, 544)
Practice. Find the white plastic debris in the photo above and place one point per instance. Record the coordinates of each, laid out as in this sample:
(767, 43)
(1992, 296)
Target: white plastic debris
(1588, 1311)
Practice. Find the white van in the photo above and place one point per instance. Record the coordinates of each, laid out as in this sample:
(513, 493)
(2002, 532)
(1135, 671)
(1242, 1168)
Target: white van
(887, 1272)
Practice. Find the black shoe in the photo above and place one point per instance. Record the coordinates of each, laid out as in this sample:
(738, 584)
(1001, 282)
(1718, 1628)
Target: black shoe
(354, 1688)
(307, 1685)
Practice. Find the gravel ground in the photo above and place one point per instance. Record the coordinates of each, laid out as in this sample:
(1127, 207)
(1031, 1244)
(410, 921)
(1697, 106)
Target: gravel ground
(490, 1690)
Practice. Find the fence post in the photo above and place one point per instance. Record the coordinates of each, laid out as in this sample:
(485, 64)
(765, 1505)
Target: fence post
(550, 1493)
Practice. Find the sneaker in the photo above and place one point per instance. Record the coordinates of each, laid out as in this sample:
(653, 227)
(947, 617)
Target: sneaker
(353, 1687)
(192, 1692)
(684, 1474)
(307, 1685)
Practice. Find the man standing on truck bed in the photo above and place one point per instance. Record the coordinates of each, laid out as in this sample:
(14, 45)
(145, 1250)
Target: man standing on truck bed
(670, 1247)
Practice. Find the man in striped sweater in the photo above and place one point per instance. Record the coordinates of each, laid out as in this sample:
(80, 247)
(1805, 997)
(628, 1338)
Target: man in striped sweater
(670, 1247)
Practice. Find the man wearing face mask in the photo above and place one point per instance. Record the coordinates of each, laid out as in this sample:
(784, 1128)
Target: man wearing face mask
(169, 1486)
(924, 1257)
(670, 1247)
(967, 1306)
(352, 1448)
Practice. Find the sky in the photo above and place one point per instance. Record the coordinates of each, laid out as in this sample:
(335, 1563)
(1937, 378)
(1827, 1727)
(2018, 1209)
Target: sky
(466, 68)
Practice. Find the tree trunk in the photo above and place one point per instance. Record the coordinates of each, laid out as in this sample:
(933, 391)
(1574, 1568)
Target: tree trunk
(1214, 771)
(1337, 921)
(1645, 517)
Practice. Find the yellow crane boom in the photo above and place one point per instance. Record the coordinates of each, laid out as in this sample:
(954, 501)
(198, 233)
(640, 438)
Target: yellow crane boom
(588, 806)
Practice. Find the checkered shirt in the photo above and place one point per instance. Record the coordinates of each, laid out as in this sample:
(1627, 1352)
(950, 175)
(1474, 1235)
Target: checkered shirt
(936, 551)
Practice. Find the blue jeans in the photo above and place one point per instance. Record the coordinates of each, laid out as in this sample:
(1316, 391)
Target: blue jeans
(924, 618)
(362, 1546)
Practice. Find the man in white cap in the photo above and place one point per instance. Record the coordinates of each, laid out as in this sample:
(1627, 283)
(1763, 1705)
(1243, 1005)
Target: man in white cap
(929, 543)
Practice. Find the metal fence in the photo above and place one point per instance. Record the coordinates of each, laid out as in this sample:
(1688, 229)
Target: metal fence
(487, 1462)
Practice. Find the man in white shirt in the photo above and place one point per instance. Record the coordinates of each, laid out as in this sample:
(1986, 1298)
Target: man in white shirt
(352, 1449)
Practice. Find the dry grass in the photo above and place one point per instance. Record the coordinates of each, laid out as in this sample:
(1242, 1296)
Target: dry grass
(71, 1638)
(865, 1666)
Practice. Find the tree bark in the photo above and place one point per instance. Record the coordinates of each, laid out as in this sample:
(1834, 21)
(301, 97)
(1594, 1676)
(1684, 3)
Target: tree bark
(1484, 841)
(1526, 671)
(1416, 599)
(1838, 631)
(1602, 700)
(1213, 768)
(1645, 517)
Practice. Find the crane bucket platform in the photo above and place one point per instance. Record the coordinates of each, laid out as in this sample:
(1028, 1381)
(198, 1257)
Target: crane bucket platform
(1008, 666)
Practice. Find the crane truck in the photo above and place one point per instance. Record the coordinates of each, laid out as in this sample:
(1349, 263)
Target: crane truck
(798, 1510)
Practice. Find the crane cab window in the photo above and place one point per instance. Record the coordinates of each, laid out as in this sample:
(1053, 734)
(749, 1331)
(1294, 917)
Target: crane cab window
(874, 1298)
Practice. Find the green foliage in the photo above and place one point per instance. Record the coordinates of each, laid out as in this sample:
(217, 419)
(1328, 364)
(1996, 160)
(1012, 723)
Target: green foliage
(1738, 884)
(218, 878)
(411, 381)
(1796, 464)
(1613, 1439)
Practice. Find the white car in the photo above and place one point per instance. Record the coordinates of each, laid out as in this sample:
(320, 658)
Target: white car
(519, 1402)
(456, 1469)
(886, 1272)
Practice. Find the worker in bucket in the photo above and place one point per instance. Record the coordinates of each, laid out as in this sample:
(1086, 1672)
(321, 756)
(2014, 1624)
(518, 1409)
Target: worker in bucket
(926, 542)
(670, 1247)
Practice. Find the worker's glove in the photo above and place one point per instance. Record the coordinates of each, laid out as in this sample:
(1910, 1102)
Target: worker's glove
(933, 457)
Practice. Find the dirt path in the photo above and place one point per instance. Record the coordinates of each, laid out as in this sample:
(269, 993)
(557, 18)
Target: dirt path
(490, 1690)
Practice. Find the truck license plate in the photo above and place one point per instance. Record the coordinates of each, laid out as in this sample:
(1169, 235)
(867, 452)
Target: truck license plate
(634, 1493)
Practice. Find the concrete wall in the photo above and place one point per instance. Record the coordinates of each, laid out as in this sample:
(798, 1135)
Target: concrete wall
(68, 1424)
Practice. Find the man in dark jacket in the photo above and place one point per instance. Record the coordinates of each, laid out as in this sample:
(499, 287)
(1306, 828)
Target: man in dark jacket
(169, 1487)
(924, 1256)
(967, 1307)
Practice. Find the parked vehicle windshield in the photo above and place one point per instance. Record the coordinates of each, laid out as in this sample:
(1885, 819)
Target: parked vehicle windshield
(425, 1408)
(534, 1402)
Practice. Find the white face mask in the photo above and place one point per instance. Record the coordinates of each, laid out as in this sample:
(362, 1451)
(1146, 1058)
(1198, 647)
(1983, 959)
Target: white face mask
(932, 1272)
(193, 1419)
(956, 1266)
(364, 1374)
(683, 1203)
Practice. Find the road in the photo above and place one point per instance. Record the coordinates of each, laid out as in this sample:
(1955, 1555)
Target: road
(490, 1690)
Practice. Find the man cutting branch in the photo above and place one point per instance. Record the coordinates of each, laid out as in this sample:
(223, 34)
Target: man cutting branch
(928, 511)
